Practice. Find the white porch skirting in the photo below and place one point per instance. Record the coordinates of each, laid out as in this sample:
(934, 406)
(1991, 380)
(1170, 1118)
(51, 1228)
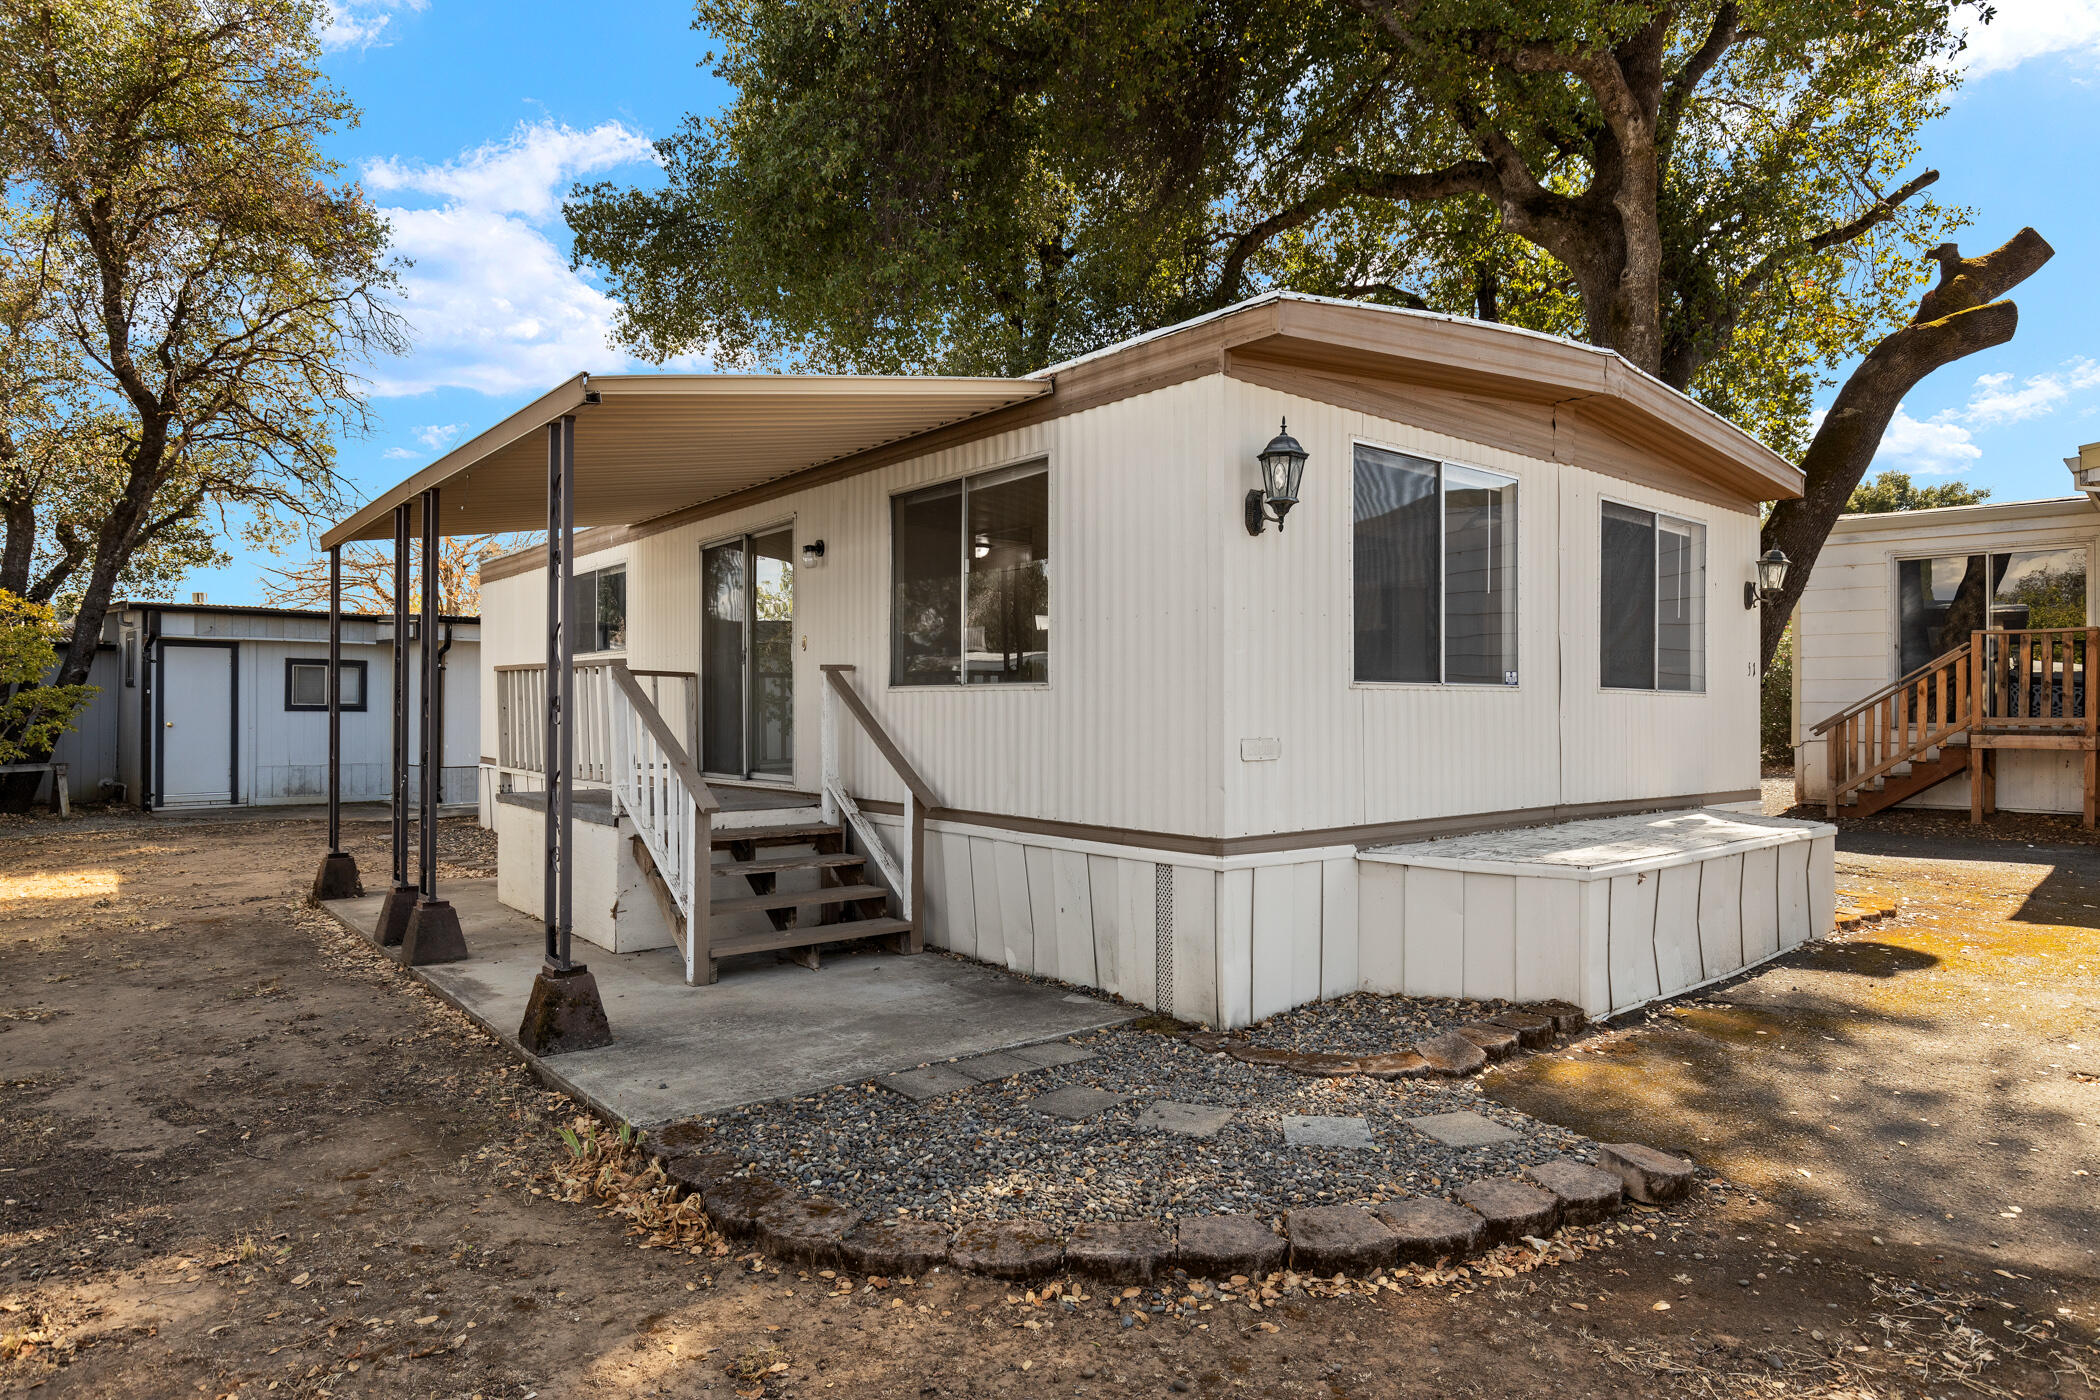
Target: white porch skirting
(610, 902)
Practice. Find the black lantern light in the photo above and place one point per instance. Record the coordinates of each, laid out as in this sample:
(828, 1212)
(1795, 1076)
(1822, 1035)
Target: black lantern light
(1771, 577)
(1282, 468)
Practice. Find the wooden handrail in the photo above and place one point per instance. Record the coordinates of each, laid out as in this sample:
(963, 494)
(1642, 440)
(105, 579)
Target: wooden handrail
(836, 676)
(1890, 689)
(674, 752)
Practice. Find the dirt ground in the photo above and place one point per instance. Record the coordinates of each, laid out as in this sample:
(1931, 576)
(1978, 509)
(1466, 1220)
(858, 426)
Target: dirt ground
(244, 1156)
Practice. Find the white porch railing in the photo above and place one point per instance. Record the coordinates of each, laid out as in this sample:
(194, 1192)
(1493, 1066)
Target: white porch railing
(905, 868)
(655, 786)
(521, 715)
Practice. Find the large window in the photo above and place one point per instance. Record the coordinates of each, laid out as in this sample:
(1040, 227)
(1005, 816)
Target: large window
(1652, 615)
(970, 580)
(598, 610)
(306, 684)
(1940, 601)
(1435, 548)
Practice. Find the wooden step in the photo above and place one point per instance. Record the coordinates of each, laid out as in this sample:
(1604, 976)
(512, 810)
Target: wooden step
(798, 899)
(771, 867)
(805, 937)
(1892, 788)
(771, 835)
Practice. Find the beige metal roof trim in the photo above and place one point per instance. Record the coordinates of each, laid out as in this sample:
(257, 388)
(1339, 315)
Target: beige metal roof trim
(655, 443)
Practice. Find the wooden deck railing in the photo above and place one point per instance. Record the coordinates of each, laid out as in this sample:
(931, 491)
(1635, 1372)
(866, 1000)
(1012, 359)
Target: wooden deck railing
(521, 710)
(905, 869)
(656, 787)
(2001, 682)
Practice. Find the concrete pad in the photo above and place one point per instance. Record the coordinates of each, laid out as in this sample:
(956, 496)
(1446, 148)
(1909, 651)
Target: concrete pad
(767, 1030)
(1462, 1129)
(1187, 1119)
(1075, 1103)
(1315, 1130)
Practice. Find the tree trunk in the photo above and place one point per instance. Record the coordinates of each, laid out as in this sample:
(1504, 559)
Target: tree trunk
(1956, 318)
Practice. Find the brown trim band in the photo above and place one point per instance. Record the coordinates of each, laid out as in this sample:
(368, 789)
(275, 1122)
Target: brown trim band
(1376, 834)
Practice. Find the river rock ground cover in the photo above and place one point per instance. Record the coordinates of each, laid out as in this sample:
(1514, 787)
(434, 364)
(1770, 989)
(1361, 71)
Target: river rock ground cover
(990, 1151)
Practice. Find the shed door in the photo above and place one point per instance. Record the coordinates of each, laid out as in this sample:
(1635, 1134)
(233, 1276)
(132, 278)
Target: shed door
(196, 725)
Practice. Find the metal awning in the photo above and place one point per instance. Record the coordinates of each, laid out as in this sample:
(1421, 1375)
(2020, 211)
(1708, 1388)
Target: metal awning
(648, 444)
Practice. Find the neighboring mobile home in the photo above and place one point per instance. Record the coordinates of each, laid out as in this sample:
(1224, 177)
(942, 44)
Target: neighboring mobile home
(207, 705)
(1911, 643)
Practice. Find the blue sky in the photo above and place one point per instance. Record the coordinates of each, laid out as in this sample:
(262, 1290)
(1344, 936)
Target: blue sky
(477, 118)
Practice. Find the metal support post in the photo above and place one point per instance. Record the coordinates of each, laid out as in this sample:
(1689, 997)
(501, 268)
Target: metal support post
(400, 895)
(433, 927)
(337, 877)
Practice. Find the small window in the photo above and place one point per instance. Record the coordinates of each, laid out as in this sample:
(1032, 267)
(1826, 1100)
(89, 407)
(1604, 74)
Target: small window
(1652, 601)
(306, 684)
(1435, 562)
(970, 580)
(599, 610)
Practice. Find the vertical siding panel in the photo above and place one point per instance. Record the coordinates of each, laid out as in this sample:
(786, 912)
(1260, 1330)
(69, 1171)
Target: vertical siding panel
(1793, 893)
(1339, 969)
(1195, 945)
(1137, 954)
(984, 889)
(1435, 932)
(1381, 917)
(1075, 919)
(1490, 966)
(1761, 903)
(1632, 940)
(1822, 887)
(933, 916)
(1105, 898)
(1235, 947)
(1721, 915)
(1548, 939)
(1042, 902)
(1595, 942)
(961, 889)
(1016, 914)
(1275, 939)
(1677, 927)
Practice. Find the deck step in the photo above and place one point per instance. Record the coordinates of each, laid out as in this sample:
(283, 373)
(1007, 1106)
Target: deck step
(775, 941)
(772, 835)
(780, 863)
(798, 899)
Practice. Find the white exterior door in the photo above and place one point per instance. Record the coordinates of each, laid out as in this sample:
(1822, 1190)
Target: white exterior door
(196, 725)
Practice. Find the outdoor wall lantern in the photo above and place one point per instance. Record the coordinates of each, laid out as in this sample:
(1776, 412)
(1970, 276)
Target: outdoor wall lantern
(1282, 468)
(812, 554)
(1771, 577)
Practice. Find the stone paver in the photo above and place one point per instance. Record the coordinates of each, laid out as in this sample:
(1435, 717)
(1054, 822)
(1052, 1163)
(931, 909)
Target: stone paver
(1510, 1210)
(1194, 1120)
(1651, 1177)
(929, 1082)
(984, 1069)
(1339, 1240)
(694, 1172)
(1426, 1229)
(1496, 1042)
(1451, 1054)
(1586, 1193)
(806, 1231)
(1129, 1251)
(1219, 1246)
(1568, 1018)
(1320, 1130)
(1533, 1030)
(734, 1203)
(1463, 1129)
(1076, 1103)
(890, 1247)
(1322, 1064)
(1015, 1249)
(1394, 1064)
(1052, 1053)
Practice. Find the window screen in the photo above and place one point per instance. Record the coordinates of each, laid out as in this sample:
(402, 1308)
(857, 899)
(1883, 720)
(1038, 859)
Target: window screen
(1651, 601)
(1435, 571)
(970, 580)
(306, 685)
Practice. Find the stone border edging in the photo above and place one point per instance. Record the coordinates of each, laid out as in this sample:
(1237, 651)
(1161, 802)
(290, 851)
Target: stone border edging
(1464, 1050)
(1319, 1240)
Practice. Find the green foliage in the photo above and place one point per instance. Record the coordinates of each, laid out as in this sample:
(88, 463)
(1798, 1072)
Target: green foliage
(32, 715)
(1893, 490)
(1776, 703)
(925, 186)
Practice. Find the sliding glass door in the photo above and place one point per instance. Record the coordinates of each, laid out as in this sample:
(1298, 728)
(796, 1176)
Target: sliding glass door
(747, 656)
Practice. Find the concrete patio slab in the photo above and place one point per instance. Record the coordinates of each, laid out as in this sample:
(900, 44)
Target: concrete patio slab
(766, 1030)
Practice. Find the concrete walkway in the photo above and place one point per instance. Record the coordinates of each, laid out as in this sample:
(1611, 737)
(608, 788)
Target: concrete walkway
(766, 1030)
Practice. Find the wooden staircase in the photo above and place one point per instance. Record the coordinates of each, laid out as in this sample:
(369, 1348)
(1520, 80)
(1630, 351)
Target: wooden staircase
(2004, 688)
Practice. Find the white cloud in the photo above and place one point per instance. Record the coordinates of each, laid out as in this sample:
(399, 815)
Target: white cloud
(1935, 446)
(359, 24)
(438, 436)
(1996, 400)
(2024, 30)
(493, 302)
(402, 454)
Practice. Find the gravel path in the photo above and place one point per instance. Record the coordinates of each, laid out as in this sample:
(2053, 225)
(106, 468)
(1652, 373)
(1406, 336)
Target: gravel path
(982, 1152)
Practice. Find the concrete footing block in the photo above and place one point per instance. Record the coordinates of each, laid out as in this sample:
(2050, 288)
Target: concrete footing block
(1650, 1177)
(564, 1014)
(337, 877)
(433, 935)
(392, 925)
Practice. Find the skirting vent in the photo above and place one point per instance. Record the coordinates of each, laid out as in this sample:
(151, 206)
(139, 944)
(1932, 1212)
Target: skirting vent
(1163, 937)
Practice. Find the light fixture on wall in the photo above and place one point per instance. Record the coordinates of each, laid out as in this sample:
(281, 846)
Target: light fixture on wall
(980, 545)
(1282, 468)
(812, 554)
(1771, 577)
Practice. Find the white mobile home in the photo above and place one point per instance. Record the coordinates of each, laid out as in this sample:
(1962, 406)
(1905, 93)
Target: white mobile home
(1940, 658)
(206, 705)
(1021, 645)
